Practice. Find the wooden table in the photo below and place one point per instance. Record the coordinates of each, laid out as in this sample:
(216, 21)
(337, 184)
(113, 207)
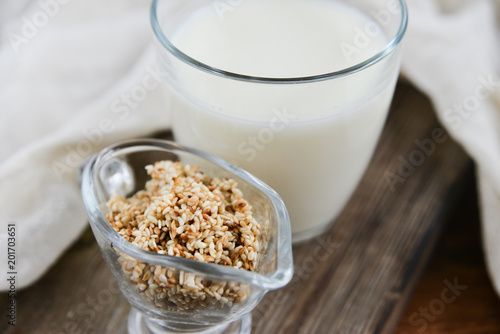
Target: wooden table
(362, 276)
(458, 255)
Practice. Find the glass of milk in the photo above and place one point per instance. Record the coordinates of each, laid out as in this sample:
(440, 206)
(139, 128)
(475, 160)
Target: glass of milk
(294, 91)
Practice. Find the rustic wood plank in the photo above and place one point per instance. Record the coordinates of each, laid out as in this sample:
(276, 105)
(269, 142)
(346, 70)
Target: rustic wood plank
(356, 278)
(459, 255)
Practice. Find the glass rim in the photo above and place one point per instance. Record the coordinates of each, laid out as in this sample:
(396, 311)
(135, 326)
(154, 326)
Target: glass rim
(387, 50)
(284, 268)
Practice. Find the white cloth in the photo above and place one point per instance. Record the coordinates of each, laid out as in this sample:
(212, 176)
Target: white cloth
(452, 53)
(70, 85)
(86, 77)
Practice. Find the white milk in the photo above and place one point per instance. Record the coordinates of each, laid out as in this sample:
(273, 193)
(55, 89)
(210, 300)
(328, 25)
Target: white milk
(310, 142)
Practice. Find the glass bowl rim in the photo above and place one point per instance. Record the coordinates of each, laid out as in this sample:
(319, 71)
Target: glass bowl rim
(387, 50)
(284, 267)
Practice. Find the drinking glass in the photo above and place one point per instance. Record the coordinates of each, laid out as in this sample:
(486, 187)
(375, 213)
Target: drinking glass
(311, 136)
(173, 294)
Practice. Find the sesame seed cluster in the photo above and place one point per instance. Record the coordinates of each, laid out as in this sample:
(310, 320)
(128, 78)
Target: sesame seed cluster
(183, 212)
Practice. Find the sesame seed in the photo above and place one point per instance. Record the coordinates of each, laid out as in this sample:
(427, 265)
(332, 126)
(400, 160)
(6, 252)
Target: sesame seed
(183, 212)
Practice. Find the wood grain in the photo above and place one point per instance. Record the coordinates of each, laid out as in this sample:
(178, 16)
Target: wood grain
(459, 254)
(356, 278)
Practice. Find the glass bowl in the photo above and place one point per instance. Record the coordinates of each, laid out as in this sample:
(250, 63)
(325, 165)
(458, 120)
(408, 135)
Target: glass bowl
(174, 294)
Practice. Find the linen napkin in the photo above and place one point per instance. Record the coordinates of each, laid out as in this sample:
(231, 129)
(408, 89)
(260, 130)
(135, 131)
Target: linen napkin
(75, 77)
(452, 53)
(72, 76)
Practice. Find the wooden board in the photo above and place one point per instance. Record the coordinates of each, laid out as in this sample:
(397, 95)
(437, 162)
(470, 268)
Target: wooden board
(356, 278)
(475, 307)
